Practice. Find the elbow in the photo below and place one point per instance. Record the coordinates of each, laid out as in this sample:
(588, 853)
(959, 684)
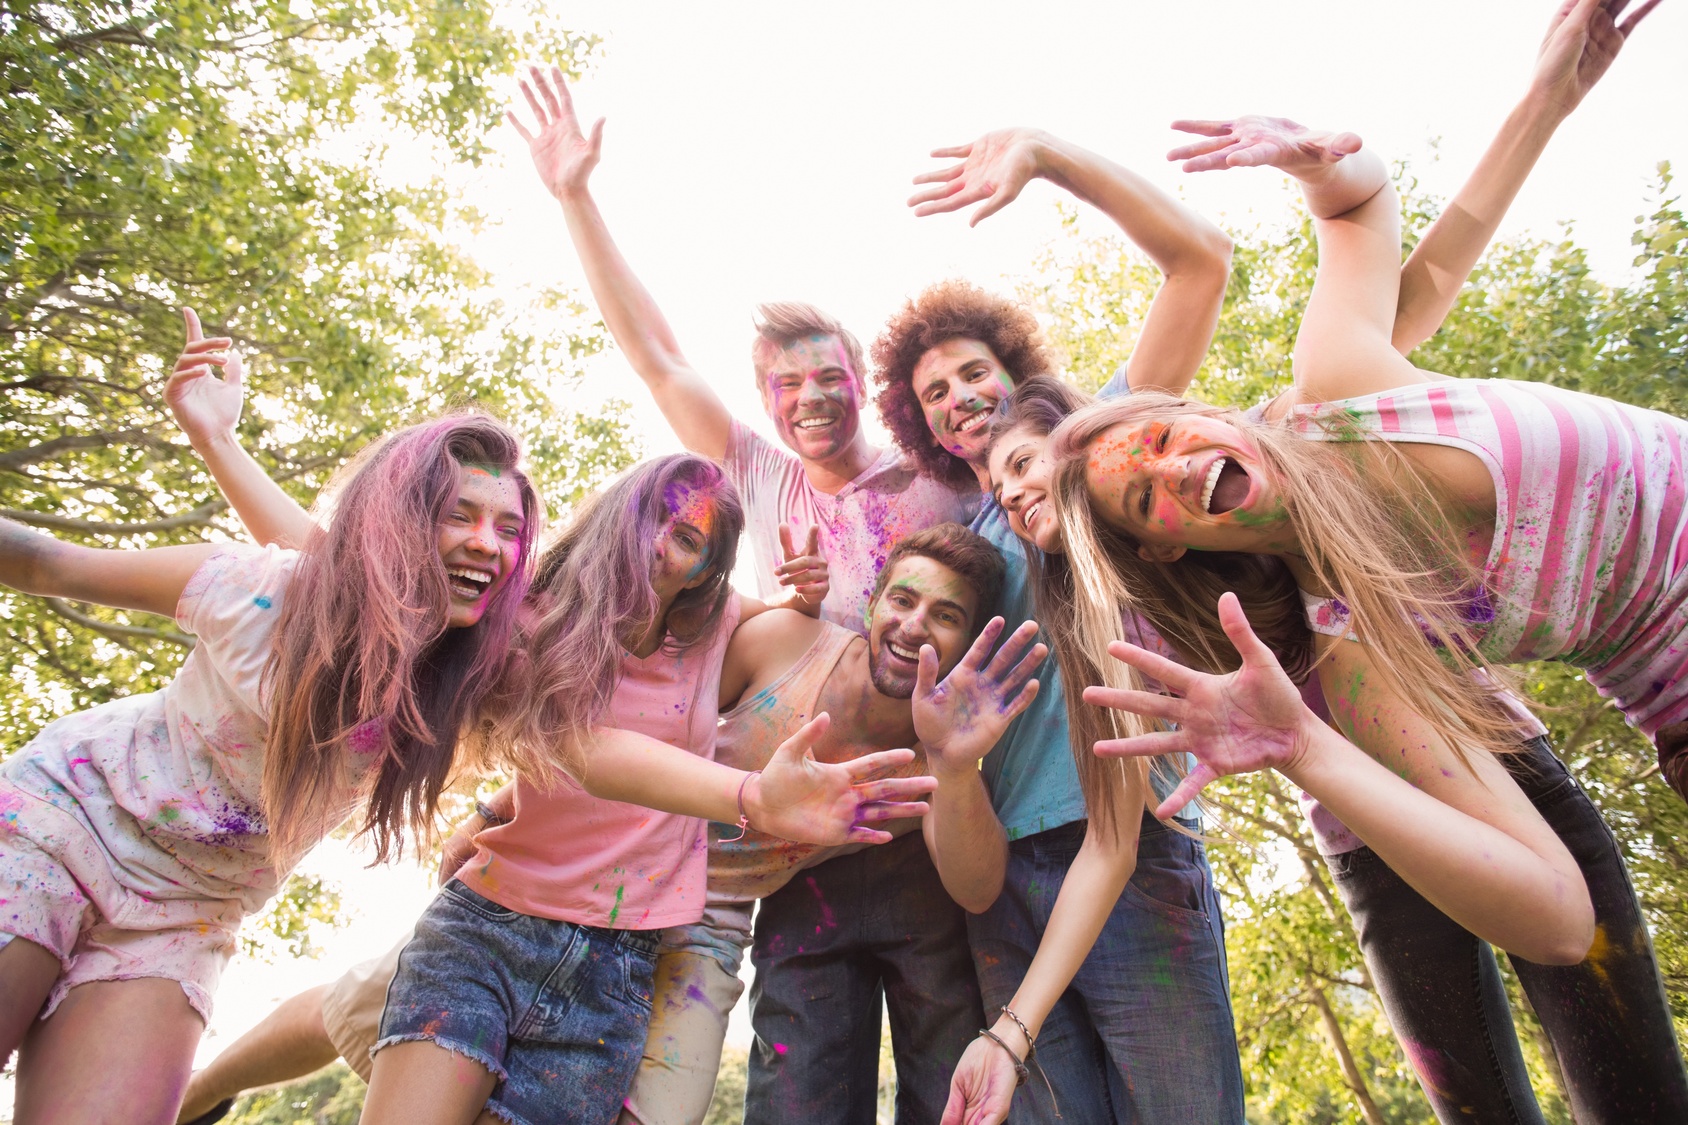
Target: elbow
(1568, 940)
(977, 902)
(1205, 262)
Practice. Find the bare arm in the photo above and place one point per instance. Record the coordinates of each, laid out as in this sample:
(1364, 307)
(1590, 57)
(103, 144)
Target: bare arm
(208, 409)
(148, 580)
(1462, 835)
(564, 158)
(1192, 254)
(794, 797)
(984, 1079)
(1582, 41)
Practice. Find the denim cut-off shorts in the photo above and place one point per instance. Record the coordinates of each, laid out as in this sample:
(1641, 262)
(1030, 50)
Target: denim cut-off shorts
(556, 1011)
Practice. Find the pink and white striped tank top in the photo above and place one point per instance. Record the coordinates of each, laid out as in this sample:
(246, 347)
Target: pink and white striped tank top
(1589, 562)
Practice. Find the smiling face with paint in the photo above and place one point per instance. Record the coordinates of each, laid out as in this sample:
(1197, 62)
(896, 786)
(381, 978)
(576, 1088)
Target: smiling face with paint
(1191, 482)
(958, 384)
(923, 602)
(814, 396)
(480, 541)
(1021, 472)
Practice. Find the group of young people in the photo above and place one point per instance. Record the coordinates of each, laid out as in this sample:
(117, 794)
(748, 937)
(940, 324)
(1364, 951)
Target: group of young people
(1077, 612)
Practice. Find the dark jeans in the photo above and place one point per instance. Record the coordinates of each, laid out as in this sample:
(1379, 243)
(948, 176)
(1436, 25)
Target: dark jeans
(826, 946)
(1144, 1032)
(1606, 1017)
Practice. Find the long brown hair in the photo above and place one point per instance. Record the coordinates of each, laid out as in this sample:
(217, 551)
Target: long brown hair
(1370, 530)
(592, 596)
(365, 666)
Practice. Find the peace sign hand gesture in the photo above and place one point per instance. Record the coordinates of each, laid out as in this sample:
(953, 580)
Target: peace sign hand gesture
(1251, 719)
(562, 155)
(804, 571)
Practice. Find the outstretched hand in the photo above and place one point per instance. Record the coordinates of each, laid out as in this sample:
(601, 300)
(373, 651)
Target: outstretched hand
(805, 571)
(811, 802)
(993, 168)
(1251, 719)
(982, 1088)
(562, 155)
(1582, 39)
(1253, 141)
(204, 406)
(960, 719)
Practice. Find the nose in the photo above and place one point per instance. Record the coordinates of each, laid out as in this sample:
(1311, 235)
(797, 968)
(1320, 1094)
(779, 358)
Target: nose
(1013, 495)
(810, 392)
(483, 539)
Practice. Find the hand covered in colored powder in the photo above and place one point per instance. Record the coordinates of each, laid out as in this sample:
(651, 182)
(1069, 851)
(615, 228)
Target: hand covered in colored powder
(804, 571)
(562, 155)
(1582, 40)
(204, 406)
(982, 1087)
(960, 719)
(993, 168)
(1253, 141)
(1251, 719)
(798, 798)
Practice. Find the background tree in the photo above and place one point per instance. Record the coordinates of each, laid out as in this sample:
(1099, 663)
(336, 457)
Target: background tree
(155, 155)
(1316, 1047)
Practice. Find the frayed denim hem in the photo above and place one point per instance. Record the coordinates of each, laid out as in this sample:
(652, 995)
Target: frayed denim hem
(456, 1047)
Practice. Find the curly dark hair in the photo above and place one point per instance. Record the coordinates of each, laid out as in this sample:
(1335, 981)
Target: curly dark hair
(949, 310)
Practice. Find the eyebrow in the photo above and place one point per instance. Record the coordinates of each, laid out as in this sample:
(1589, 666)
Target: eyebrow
(903, 584)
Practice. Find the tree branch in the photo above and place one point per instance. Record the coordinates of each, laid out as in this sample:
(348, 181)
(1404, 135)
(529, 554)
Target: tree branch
(116, 632)
(198, 517)
(46, 450)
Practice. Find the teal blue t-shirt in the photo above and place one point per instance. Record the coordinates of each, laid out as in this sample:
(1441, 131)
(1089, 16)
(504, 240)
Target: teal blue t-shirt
(1030, 773)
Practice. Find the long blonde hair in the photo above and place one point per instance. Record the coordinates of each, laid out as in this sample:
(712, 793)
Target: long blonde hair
(1370, 530)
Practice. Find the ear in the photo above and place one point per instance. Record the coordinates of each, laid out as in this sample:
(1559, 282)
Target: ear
(1160, 552)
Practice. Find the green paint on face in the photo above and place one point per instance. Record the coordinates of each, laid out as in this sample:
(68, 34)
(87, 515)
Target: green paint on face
(484, 470)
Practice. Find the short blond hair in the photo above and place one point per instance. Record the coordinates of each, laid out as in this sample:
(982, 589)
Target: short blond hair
(780, 324)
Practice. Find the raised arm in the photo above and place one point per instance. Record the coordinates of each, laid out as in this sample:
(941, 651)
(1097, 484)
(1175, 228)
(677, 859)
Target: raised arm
(958, 721)
(148, 580)
(1458, 831)
(564, 158)
(207, 409)
(1193, 255)
(794, 796)
(1582, 40)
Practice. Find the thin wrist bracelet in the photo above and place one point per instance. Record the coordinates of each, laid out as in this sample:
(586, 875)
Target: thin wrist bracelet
(1031, 1055)
(1021, 1074)
(743, 817)
(493, 820)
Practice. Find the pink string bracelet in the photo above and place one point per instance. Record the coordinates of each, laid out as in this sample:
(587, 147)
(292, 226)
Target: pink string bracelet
(743, 817)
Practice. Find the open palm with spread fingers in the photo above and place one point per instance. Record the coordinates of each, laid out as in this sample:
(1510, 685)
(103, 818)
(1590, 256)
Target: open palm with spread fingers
(960, 719)
(1251, 719)
(1582, 39)
(562, 155)
(1253, 141)
(205, 406)
(812, 802)
(993, 168)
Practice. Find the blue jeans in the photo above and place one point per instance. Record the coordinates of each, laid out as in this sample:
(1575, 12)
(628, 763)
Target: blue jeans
(826, 945)
(556, 1011)
(1144, 1033)
(1607, 1017)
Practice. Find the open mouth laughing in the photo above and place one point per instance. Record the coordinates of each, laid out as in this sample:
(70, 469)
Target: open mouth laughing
(468, 582)
(1226, 487)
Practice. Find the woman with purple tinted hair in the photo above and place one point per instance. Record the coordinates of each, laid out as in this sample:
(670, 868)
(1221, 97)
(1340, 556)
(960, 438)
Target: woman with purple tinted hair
(328, 679)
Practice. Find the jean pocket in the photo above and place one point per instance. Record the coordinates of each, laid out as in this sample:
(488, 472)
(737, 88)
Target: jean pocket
(1170, 878)
(638, 979)
(476, 904)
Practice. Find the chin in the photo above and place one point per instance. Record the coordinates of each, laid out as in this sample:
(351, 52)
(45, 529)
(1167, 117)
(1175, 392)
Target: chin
(892, 685)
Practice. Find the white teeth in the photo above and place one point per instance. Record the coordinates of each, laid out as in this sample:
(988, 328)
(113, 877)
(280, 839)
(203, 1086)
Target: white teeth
(900, 651)
(479, 577)
(813, 423)
(973, 423)
(1031, 513)
(1212, 479)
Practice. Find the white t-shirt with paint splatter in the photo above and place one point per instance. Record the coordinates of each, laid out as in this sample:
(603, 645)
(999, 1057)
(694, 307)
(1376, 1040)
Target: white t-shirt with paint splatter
(152, 802)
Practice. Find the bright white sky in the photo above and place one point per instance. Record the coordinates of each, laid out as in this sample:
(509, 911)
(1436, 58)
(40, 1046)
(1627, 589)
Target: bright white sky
(757, 151)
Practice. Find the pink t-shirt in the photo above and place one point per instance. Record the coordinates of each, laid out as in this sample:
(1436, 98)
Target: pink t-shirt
(578, 858)
(858, 525)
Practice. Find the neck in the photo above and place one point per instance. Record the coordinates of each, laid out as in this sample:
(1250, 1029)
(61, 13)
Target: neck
(982, 472)
(877, 718)
(835, 472)
(649, 639)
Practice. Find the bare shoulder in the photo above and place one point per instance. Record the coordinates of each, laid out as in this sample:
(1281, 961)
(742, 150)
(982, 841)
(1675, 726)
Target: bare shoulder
(763, 647)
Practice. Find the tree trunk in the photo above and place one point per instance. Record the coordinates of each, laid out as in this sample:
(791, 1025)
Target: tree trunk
(1344, 1057)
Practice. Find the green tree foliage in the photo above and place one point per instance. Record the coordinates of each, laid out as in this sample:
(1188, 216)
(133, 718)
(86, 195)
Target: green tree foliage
(251, 160)
(331, 1096)
(1316, 1047)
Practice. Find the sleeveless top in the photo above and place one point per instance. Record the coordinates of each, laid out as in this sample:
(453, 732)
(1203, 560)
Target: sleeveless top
(1589, 562)
(758, 865)
(573, 857)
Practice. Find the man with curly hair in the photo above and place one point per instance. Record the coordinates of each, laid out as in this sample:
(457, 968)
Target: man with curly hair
(1107, 947)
